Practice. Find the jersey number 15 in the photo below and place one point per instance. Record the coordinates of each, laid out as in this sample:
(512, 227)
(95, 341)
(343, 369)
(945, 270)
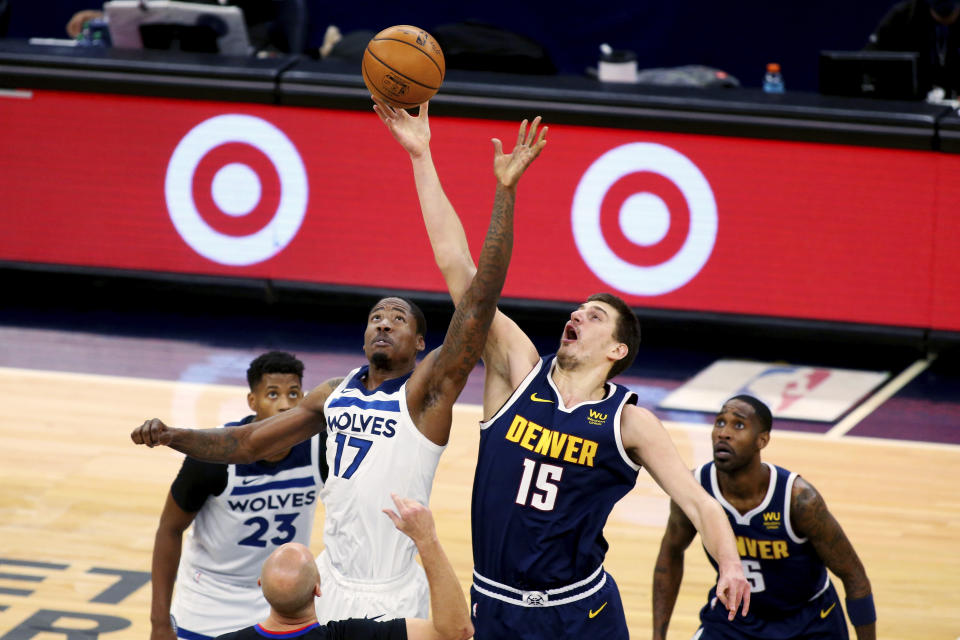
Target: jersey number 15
(544, 495)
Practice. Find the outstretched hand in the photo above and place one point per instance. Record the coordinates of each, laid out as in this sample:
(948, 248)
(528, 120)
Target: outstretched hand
(413, 519)
(152, 433)
(412, 132)
(508, 167)
(732, 590)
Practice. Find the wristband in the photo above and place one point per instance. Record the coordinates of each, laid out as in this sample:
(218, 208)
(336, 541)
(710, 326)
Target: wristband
(861, 611)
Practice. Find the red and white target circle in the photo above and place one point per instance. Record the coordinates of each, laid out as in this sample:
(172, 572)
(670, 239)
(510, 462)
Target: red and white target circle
(644, 219)
(236, 189)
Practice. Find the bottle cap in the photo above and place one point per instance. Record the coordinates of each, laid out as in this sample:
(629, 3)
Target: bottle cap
(773, 67)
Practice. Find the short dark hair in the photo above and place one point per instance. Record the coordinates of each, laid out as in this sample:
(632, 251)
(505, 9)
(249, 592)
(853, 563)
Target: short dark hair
(273, 362)
(761, 410)
(418, 316)
(627, 331)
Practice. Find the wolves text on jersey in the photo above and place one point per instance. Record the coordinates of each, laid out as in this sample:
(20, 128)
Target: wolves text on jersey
(273, 501)
(360, 422)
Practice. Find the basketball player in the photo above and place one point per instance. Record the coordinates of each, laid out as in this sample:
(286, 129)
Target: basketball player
(291, 582)
(239, 515)
(559, 445)
(786, 537)
(386, 425)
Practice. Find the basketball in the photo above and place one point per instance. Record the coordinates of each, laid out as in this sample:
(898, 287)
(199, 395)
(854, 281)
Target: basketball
(403, 66)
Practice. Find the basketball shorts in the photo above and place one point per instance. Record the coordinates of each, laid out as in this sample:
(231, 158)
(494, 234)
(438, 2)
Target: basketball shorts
(407, 596)
(821, 619)
(497, 615)
(203, 607)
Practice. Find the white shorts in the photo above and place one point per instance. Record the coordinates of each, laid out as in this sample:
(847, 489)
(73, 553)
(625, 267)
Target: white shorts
(206, 608)
(405, 597)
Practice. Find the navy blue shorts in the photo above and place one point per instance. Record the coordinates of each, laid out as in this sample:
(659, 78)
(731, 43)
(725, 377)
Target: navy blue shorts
(599, 615)
(822, 619)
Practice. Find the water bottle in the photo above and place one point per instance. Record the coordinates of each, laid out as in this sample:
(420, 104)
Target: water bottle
(772, 79)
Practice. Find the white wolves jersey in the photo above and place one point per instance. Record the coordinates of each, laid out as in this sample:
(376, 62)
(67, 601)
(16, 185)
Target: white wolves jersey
(263, 506)
(547, 478)
(373, 450)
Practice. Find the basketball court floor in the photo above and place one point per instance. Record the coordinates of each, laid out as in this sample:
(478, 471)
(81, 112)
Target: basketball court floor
(79, 504)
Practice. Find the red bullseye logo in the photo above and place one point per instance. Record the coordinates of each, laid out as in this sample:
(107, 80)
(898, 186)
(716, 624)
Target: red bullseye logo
(236, 189)
(644, 219)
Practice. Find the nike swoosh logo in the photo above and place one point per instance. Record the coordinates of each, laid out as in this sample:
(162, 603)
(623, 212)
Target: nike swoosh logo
(533, 396)
(824, 614)
(247, 481)
(594, 614)
(375, 617)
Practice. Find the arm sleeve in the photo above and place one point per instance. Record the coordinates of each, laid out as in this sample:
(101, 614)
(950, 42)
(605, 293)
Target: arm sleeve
(197, 480)
(322, 455)
(363, 629)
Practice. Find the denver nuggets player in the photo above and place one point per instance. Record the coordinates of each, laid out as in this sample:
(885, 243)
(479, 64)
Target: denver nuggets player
(240, 513)
(559, 446)
(386, 424)
(786, 538)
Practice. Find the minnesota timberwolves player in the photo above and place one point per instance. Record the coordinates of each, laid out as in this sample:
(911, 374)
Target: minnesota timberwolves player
(786, 538)
(239, 514)
(386, 425)
(559, 445)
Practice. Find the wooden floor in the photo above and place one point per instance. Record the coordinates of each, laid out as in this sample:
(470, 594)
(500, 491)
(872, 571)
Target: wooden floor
(76, 495)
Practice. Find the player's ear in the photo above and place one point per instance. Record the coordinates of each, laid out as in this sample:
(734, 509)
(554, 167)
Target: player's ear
(619, 351)
(252, 402)
(316, 590)
(421, 343)
(762, 439)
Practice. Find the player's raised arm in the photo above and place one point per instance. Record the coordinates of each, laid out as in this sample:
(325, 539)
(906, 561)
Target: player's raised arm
(508, 353)
(249, 443)
(811, 519)
(438, 380)
(648, 444)
(448, 606)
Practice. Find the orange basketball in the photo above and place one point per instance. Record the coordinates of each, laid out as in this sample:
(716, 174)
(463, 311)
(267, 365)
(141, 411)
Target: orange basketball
(403, 66)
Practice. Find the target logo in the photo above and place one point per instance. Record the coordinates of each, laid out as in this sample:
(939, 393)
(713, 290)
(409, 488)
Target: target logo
(644, 219)
(236, 189)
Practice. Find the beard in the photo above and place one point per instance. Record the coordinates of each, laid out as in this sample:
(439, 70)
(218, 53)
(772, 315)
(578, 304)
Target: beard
(567, 362)
(380, 360)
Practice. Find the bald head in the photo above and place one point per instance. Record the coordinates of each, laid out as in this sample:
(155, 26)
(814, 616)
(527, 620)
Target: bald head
(289, 579)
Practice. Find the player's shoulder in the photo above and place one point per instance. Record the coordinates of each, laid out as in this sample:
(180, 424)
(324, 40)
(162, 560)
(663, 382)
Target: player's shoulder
(801, 488)
(805, 501)
(637, 416)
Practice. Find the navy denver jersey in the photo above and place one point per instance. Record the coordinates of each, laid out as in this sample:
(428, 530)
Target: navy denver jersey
(547, 478)
(784, 570)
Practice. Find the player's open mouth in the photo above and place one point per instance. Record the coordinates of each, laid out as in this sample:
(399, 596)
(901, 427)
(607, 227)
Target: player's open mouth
(722, 450)
(569, 333)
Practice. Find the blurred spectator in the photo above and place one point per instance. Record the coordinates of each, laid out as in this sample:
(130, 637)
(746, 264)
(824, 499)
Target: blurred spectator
(274, 26)
(930, 28)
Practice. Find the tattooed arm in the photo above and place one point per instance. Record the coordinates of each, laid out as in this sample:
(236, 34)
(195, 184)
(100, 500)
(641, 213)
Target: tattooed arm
(668, 572)
(438, 380)
(508, 354)
(811, 519)
(249, 443)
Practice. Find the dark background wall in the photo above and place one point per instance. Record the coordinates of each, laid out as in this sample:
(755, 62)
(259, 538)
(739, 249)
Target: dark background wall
(738, 37)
